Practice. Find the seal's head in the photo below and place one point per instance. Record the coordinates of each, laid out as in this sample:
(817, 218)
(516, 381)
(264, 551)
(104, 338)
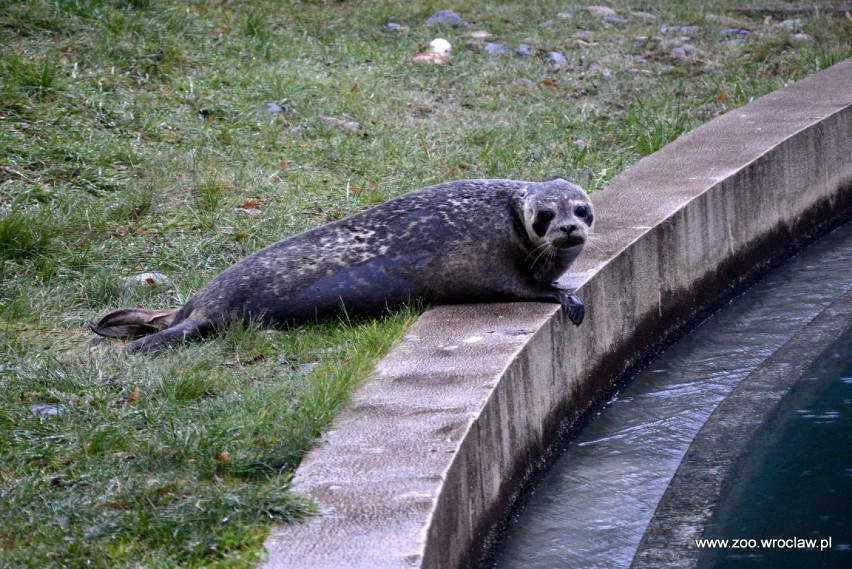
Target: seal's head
(557, 218)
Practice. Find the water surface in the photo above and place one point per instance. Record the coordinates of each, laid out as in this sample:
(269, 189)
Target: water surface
(591, 509)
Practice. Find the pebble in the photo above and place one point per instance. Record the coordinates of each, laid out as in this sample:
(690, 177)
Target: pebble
(41, 410)
(645, 16)
(273, 108)
(614, 20)
(600, 10)
(801, 37)
(565, 16)
(394, 27)
(525, 83)
(524, 50)
(555, 59)
(734, 32)
(343, 123)
(794, 24)
(495, 49)
(679, 29)
(446, 18)
(580, 143)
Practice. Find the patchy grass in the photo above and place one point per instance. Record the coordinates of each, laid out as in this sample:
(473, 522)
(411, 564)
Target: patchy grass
(138, 136)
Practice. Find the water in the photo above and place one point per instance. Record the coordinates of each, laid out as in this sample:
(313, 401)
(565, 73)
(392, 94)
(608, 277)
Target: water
(593, 506)
(801, 482)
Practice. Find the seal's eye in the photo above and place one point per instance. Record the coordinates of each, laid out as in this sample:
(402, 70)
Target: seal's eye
(542, 220)
(546, 215)
(581, 211)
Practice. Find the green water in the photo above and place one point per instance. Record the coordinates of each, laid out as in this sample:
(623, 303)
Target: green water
(797, 479)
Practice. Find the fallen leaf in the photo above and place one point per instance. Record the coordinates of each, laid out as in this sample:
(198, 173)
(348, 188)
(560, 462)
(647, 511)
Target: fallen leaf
(721, 97)
(354, 88)
(284, 164)
(223, 457)
(133, 397)
(433, 58)
(549, 83)
(250, 205)
(464, 165)
(429, 151)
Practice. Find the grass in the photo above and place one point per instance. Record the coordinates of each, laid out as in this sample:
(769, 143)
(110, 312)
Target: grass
(137, 136)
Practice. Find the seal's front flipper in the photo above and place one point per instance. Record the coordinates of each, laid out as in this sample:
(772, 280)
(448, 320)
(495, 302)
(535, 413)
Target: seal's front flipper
(133, 322)
(573, 307)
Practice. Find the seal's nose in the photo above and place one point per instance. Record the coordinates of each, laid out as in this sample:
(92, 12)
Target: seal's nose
(568, 229)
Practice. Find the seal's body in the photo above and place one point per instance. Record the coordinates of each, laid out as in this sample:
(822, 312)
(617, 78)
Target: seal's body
(466, 241)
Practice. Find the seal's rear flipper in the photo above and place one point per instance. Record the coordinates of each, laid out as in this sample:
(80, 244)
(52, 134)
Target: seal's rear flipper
(133, 322)
(186, 330)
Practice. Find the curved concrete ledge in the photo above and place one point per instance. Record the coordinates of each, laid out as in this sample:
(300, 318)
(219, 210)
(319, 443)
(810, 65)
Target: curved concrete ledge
(426, 460)
(689, 505)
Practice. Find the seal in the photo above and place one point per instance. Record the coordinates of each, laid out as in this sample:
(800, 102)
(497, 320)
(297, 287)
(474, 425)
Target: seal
(463, 241)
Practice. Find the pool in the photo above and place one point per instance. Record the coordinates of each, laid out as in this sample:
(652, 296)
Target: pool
(594, 505)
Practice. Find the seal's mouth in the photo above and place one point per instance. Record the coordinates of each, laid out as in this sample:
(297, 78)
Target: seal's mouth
(569, 241)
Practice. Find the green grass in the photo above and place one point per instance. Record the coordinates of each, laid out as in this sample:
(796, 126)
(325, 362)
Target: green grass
(135, 137)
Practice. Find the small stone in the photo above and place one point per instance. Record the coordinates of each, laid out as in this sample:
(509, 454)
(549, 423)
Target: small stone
(525, 83)
(678, 53)
(565, 16)
(446, 18)
(524, 50)
(600, 10)
(645, 16)
(734, 32)
(614, 20)
(440, 46)
(555, 60)
(679, 29)
(273, 108)
(42, 410)
(496, 49)
(308, 367)
(580, 143)
(348, 125)
(480, 35)
(793, 24)
(395, 27)
(802, 37)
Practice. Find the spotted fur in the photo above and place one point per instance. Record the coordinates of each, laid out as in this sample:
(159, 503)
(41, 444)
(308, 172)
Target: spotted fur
(465, 241)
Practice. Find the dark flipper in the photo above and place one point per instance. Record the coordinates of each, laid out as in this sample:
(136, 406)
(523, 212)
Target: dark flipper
(133, 322)
(186, 330)
(573, 307)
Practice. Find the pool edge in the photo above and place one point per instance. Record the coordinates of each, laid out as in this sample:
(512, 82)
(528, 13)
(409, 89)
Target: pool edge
(419, 470)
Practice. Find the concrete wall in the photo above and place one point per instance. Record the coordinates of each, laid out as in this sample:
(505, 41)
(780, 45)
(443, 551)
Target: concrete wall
(426, 460)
